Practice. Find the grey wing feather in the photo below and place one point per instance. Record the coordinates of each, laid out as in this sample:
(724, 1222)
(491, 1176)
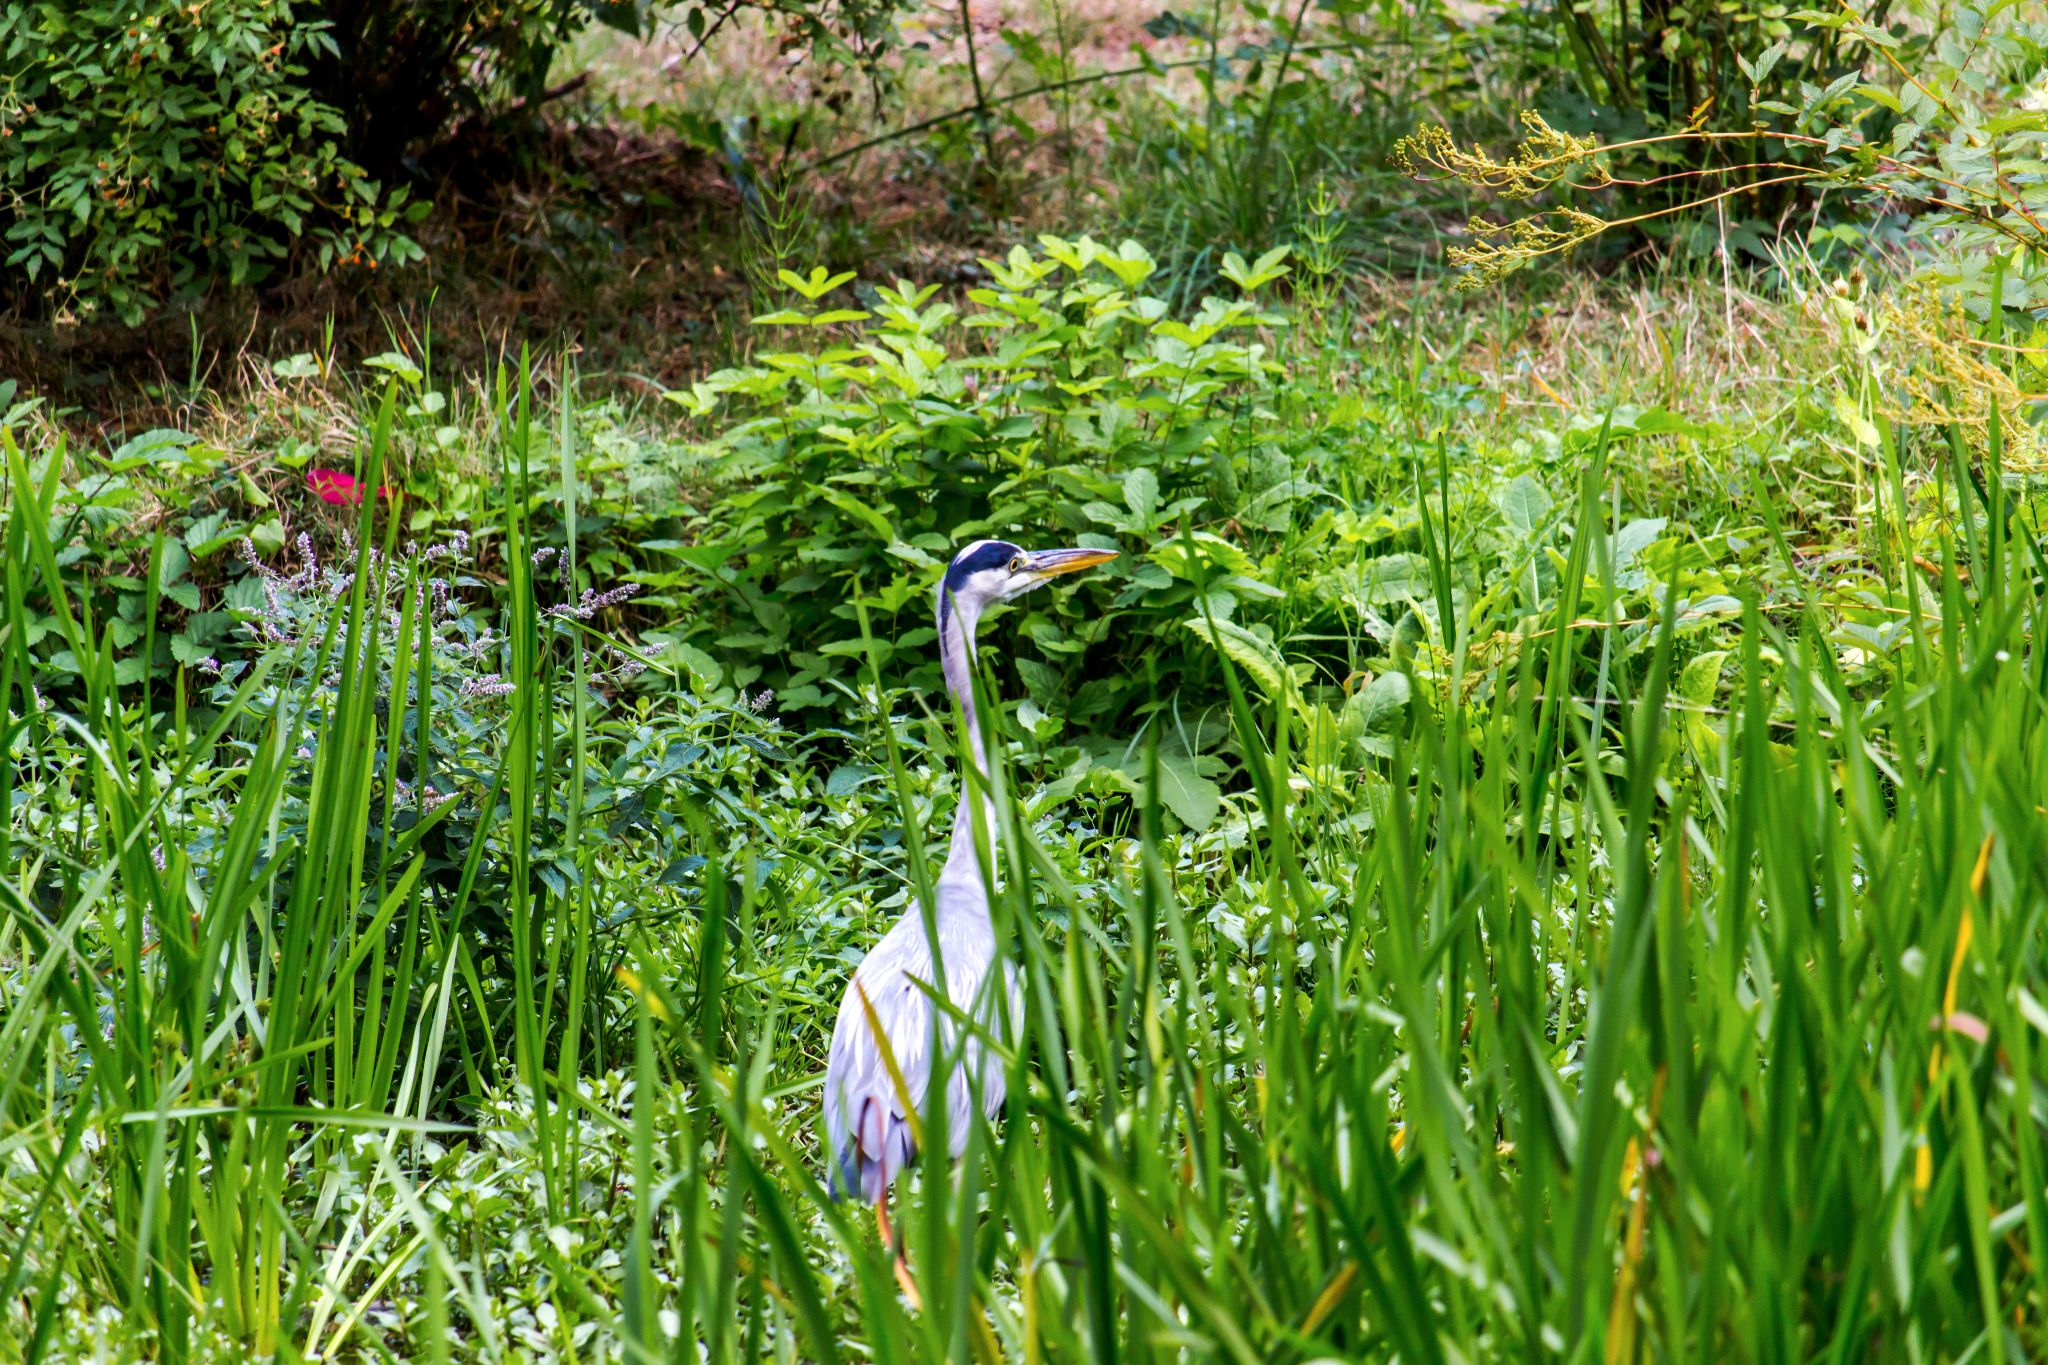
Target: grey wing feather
(866, 1129)
(868, 1136)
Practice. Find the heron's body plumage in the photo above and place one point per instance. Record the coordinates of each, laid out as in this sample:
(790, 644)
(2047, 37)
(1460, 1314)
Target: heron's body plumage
(869, 1133)
(867, 1128)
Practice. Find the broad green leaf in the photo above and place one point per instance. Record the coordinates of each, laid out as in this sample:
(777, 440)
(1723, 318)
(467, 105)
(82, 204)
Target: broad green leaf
(1523, 505)
(1378, 705)
(817, 285)
(1700, 678)
(1211, 552)
(1037, 723)
(1141, 492)
(398, 364)
(1193, 799)
(268, 536)
(1632, 539)
(700, 666)
(862, 513)
(160, 446)
(1130, 263)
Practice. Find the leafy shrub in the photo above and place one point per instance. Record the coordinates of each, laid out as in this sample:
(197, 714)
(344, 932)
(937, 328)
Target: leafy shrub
(179, 593)
(148, 146)
(191, 598)
(1683, 99)
(1064, 401)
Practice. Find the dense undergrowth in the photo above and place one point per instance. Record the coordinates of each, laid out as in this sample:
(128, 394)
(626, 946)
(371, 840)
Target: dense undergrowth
(1527, 881)
(1532, 851)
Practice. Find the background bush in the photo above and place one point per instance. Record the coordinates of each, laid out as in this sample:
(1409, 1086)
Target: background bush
(146, 146)
(150, 149)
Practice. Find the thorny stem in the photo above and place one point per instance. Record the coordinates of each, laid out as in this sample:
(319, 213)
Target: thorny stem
(711, 31)
(1698, 174)
(1697, 135)
(1700, 203)
(1897, 66)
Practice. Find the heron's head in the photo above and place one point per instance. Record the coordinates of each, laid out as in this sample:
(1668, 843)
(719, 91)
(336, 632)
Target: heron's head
(991, 571)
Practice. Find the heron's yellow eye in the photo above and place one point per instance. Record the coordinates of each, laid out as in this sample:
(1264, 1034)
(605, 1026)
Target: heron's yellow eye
(1017, 564)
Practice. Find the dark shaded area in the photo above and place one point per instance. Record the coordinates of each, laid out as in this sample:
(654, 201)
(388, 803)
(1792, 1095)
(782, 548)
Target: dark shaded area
(607, 235)
(627, 245)
(404, 72)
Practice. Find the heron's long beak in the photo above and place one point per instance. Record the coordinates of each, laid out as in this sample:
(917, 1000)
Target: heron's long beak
(1053, 563)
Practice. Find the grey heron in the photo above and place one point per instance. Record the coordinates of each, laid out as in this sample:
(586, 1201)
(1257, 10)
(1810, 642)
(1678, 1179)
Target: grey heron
(869, 1133)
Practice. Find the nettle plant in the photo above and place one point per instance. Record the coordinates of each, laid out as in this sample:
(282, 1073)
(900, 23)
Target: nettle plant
(654, 759)
(449, 696)
(1060, 399)
(148, 533)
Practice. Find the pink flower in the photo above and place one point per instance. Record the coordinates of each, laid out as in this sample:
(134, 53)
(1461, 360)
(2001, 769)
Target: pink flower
(337, 489)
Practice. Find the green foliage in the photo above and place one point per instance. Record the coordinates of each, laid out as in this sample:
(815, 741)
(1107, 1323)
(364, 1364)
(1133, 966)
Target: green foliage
(1490, 876)
(1584, 955)
(1638, 69)
(1063, 396)
(1643, 78)
(1930, 128)
(1286, 98)
(1065, 403)
(185, 584)
(150, 149)
(229, 511)
(1922, 117)
(147, 148)
(401, 73)
(361, 883)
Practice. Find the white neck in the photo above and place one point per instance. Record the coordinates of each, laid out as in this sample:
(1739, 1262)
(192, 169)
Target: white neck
(956, 657)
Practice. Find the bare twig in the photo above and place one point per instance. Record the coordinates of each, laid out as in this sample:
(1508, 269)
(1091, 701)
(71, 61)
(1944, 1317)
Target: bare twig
(1048, 88)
